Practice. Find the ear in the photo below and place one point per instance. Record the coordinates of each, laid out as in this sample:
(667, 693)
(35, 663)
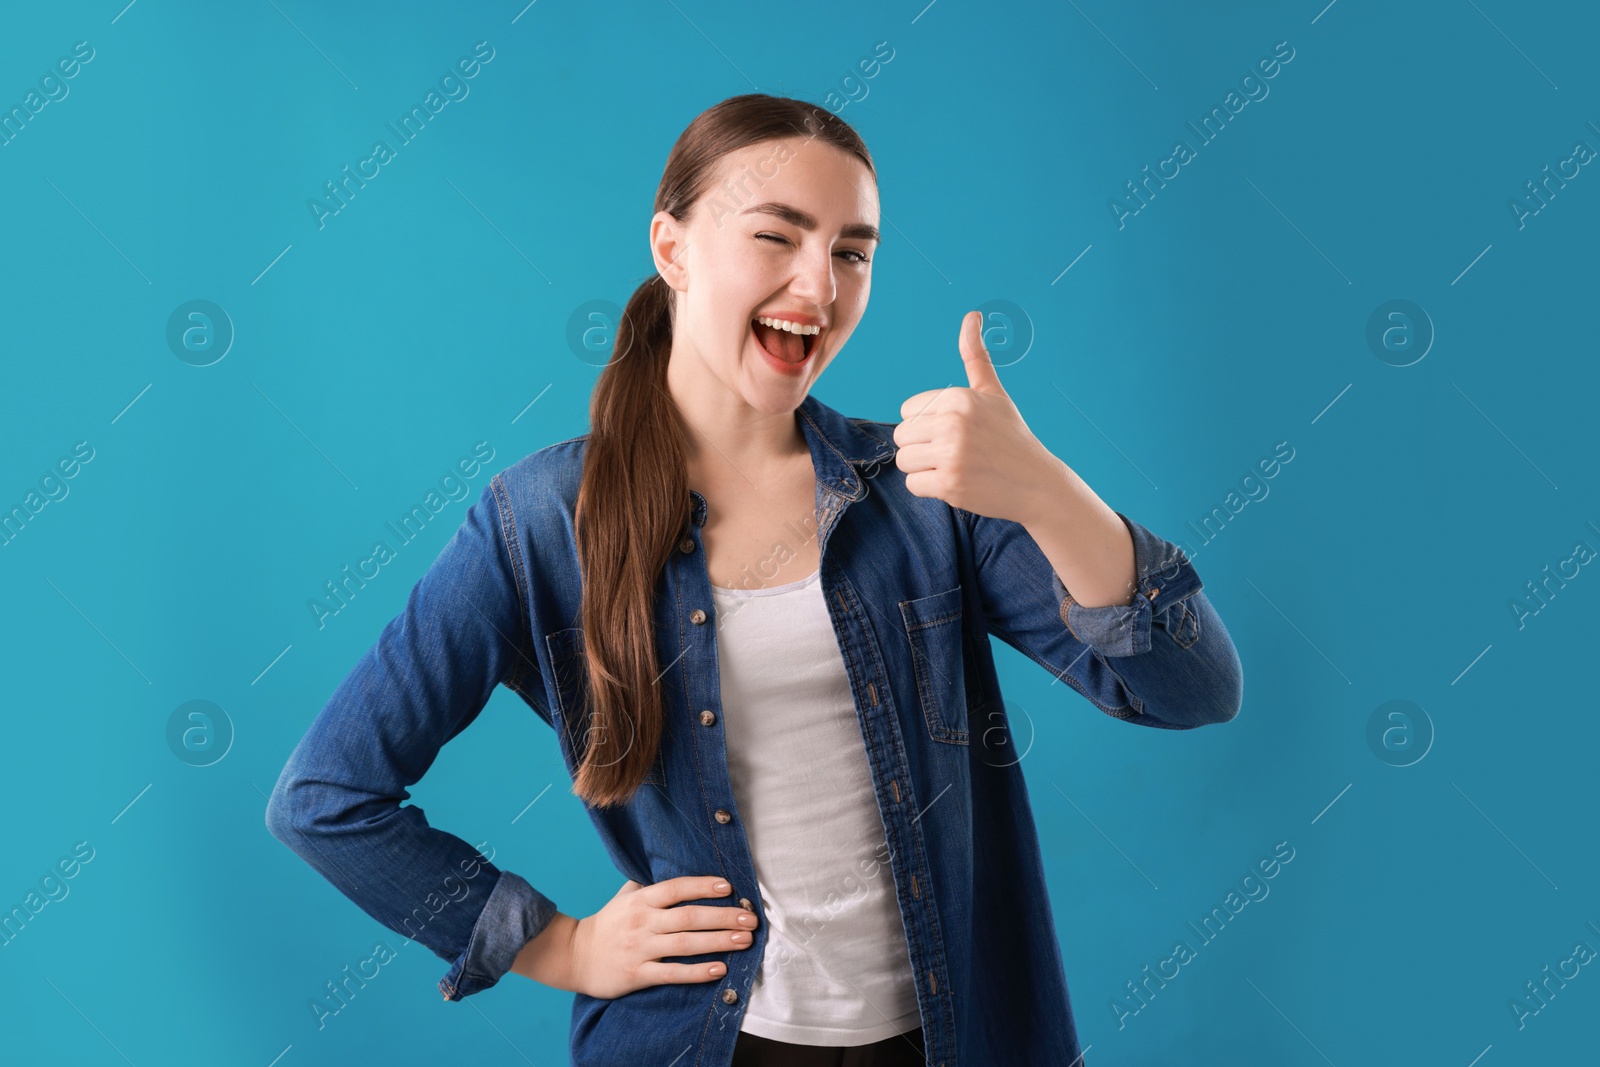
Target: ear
(668, 243)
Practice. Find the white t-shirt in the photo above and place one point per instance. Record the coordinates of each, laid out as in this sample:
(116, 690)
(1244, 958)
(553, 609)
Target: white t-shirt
(836, 969)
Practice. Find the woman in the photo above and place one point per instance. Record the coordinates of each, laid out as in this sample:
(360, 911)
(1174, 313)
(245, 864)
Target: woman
(832, 754)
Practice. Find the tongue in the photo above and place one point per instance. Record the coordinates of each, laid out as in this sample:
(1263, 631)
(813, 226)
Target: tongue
(781, 343)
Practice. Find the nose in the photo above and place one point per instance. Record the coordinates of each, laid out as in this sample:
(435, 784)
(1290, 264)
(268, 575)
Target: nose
(813, 276)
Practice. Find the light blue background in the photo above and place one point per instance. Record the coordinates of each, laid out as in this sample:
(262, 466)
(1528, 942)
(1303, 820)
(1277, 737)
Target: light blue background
(1228, 315)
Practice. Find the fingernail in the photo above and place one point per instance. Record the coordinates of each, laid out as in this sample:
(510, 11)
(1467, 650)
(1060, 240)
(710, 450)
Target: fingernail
(716, 968)
(722, 887)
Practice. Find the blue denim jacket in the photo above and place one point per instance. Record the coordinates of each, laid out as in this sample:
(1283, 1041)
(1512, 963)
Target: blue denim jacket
(915, 589)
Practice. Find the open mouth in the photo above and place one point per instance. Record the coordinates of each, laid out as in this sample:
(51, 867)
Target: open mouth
(784, 345)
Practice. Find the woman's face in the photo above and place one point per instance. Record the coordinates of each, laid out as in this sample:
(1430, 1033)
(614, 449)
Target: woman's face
(787, 230)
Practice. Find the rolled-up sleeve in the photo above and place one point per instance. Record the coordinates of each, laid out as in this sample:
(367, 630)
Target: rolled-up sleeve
(514, 914)
(338, 801)
(1163, 660)
(1165, 576)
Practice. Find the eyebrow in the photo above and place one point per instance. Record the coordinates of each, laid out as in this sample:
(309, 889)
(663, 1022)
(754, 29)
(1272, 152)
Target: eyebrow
(793, 215)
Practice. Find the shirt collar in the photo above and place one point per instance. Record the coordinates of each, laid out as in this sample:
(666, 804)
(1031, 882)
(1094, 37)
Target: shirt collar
(839, 448)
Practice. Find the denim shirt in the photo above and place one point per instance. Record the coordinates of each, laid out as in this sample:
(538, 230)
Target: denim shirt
(915, 589)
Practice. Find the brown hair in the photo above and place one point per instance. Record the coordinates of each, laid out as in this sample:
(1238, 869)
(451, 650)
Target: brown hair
(633, 502)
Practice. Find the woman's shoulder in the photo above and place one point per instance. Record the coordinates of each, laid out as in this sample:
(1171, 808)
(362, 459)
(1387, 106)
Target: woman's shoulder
(547, 474)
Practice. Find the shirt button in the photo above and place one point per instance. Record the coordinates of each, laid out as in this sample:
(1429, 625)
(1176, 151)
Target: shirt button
(1152, 593)
(686, 546)
(730, 996)
(697, 616)
(722, 816)
(746, 905)
(708, 717)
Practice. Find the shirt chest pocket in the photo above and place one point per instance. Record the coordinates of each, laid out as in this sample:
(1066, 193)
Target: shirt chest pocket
(571, 711)
(943, 664)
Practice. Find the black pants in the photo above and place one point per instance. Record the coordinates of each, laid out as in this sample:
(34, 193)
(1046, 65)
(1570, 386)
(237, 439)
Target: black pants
(901, 1050)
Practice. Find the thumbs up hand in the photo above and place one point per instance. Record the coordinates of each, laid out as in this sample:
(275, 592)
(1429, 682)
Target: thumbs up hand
(969, 446)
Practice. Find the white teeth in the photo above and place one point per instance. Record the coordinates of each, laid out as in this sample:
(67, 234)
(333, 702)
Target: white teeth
(792, 327)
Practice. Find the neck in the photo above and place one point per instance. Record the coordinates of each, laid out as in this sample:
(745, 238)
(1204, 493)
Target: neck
(728, 440)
